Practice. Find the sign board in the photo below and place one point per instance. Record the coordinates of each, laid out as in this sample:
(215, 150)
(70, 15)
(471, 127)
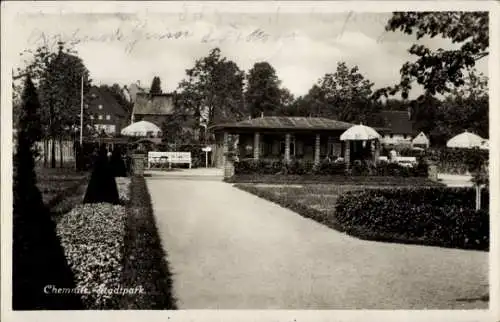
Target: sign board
(206, 149)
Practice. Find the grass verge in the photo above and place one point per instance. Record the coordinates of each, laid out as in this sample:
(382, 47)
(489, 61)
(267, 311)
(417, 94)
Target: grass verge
(144, 262)
(337, 179)
(318, 202)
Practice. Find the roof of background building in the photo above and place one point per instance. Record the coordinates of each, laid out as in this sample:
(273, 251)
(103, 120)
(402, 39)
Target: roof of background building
(146, 104)
(397, 122)
(421, 138)
(105, 98)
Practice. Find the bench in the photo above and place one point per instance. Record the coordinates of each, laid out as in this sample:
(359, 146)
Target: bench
(158, 159)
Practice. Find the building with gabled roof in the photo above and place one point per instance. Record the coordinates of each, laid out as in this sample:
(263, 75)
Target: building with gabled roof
(399, 131)
(421, 140)
(106, 113)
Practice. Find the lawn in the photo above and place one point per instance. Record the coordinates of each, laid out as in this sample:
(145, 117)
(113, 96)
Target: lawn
(317, 196)
(61, 188)
(435, 216)
(315, 201)
(332, 179)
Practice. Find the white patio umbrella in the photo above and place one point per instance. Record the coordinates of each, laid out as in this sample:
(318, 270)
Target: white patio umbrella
(465, 140)
(359, 132)
(141, 128)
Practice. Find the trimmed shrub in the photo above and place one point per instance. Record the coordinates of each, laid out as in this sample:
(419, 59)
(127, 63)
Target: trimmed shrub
(37, 256)
(250, 166)
(449, 160)
(432, 216)
(327, 167)
(117, 163)
(102, 185)
(92, 236)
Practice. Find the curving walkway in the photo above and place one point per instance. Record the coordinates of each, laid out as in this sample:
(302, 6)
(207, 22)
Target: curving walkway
(228, 249)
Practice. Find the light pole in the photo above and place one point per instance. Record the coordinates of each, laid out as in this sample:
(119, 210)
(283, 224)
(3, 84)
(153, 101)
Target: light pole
(81, 113)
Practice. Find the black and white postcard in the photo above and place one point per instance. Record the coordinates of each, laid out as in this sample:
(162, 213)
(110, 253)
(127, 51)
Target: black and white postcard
(240, 160)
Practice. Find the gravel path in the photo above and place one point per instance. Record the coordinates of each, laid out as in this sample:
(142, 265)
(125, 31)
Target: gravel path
(229, 249)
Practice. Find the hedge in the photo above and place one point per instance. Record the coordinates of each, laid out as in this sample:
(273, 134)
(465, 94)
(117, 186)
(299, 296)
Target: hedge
(327, 167)
(144, 261)
(448, 160)
(432, 216)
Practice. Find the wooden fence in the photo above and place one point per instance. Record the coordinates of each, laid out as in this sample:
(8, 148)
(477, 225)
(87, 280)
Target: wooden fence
(64, 149)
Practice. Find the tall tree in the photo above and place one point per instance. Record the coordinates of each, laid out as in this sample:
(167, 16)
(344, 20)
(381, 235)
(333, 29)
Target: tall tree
(35, 243)
(344, 95)
(440, 70)
(215, 86)
(286, 97)
(263, 93)
(465, 107)
(60, 93)
(16, 102)
(155, 86)
(287, 104)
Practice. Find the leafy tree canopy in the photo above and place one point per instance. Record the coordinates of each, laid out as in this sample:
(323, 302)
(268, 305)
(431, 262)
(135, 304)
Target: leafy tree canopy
(263, 93)
(438, 71)
(60, 92)
(214, 88)
(344, 95)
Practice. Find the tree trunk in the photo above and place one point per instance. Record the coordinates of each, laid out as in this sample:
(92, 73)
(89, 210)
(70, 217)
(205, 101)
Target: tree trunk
(53, 153)
(61, 163)
(45, 152)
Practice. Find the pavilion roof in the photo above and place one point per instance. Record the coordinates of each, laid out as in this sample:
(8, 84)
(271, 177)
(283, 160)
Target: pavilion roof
(286, 123)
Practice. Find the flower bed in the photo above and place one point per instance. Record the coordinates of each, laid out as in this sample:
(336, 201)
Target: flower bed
(92, 236)
(438, 216)
(113, 249)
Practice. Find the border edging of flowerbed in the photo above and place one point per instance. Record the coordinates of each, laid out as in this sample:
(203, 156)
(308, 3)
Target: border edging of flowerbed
(144, 259)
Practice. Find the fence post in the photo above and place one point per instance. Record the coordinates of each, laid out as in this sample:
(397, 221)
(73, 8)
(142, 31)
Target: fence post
(138, 164)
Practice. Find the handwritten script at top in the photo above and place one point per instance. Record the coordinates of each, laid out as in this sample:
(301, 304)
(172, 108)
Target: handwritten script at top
(230, 32)
(140, 34)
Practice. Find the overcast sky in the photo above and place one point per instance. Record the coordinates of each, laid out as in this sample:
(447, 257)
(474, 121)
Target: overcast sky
(302, 47)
